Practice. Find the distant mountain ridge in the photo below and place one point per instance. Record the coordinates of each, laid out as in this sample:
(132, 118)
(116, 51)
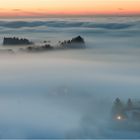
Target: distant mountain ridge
(68, 24)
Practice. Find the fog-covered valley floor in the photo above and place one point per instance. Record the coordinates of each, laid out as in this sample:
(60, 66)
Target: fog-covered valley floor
(69, 93)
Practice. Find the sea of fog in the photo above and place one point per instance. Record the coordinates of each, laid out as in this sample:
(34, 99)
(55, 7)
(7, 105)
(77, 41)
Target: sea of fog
(68, 93)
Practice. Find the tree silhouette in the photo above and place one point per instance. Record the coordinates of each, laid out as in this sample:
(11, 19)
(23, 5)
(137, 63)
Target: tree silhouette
(118, 107)
(129, 104)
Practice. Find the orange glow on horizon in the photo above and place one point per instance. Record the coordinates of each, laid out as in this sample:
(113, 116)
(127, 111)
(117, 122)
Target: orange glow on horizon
(68, 7)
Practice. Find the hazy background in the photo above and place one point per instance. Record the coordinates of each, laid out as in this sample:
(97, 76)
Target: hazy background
(68, 94)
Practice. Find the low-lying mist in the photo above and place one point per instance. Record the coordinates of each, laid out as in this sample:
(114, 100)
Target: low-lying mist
(65, 94)
(69, 93)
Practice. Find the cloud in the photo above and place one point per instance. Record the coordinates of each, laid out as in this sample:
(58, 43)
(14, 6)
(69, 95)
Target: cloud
(65, 24)
(16, 10)
(121, 9)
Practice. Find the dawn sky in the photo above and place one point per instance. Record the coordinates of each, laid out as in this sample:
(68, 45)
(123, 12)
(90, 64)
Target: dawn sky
(67, 7)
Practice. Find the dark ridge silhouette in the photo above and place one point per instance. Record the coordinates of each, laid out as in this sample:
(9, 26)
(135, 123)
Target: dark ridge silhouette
(78, 39)
(16, 41)
(60, 24)
(76, 43)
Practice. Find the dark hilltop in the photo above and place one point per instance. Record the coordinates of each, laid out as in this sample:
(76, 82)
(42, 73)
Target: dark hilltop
(75, 43)
(16, 41)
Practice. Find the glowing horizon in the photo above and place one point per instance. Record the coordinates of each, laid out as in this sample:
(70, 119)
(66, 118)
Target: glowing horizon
(68, 7)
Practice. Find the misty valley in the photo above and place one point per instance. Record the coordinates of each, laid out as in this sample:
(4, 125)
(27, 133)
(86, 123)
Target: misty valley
(70, 78)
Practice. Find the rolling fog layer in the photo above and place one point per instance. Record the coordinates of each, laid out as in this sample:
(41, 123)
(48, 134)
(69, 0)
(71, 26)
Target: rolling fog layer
(69, 94)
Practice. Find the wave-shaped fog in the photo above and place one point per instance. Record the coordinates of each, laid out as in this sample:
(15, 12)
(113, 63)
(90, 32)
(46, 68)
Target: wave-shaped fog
(69, 93)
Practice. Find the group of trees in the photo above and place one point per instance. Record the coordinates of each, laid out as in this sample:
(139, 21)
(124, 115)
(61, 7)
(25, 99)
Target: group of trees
(16, 41)
(77, 42)
(119, 107)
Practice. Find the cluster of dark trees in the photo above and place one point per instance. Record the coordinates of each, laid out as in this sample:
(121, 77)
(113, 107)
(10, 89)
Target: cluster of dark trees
(77, 42)
(120, 109)
(16, 41)
(40, 49)
(119, 106)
